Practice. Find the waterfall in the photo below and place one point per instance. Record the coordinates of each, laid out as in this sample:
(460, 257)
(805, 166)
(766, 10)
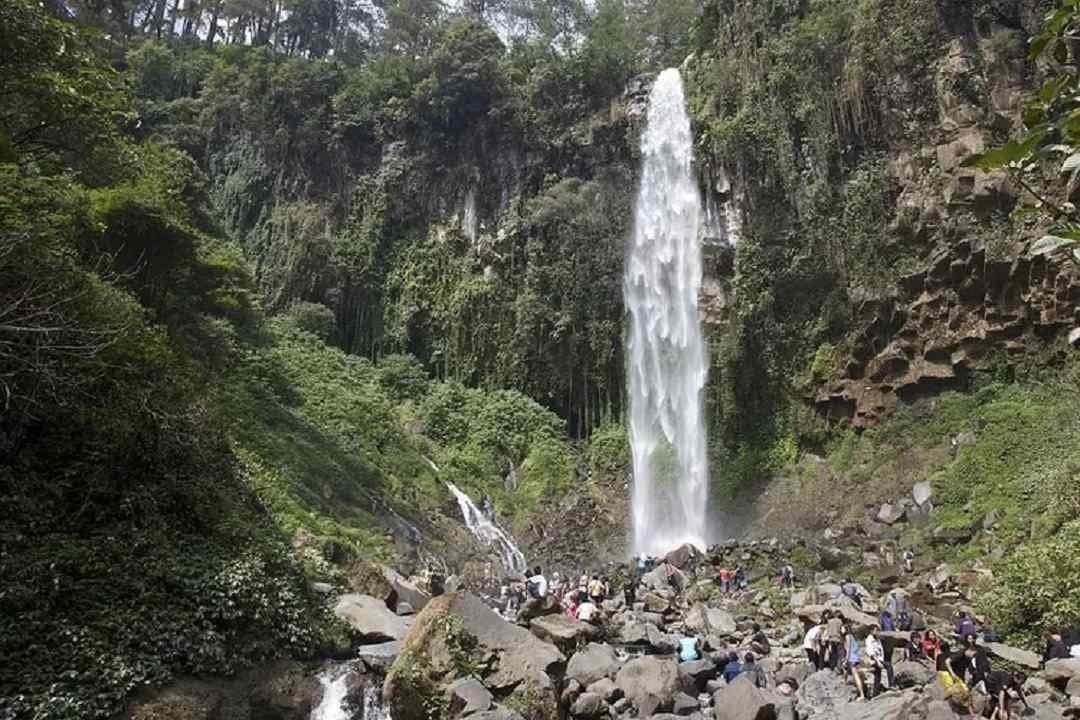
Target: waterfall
(665, 352)
(335, 705)
(487, 532)
(335, 685)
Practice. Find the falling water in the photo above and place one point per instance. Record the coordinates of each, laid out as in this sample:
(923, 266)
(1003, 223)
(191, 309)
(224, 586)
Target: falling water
(335, 685)
(665, 351)
(488, 532)
(334, 704)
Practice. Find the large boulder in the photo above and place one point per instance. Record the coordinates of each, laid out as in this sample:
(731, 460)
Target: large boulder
(380, 656)
(1025, 658)
(657, 579)
(587, 705)
(1065, 669)
(696, 620)
(634, 632)
(372, 620)
(650, 683)
(564, 632)
(742, 700)
(660, 642)
(681, 556)
(538, 607)
(893, 706)
(594, 662)
(911, 674)
(468, 695)
(890, 514)
(404, 591)
(456, 631)
(721, 622)
(694, 676)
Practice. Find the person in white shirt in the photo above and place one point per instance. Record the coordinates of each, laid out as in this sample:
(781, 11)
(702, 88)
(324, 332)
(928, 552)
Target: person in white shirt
(539, 583)
(812, 645)
(875, 652)
(588, 612)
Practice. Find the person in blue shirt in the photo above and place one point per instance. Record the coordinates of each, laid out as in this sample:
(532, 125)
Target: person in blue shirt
(732, 668)
(689, 649)
(886, 621)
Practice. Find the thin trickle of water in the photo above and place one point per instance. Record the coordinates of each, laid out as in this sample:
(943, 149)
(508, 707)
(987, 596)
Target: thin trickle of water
(488, 532)
(665, 351)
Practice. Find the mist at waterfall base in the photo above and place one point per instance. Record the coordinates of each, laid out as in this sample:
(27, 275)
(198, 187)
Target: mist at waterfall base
(665, 350)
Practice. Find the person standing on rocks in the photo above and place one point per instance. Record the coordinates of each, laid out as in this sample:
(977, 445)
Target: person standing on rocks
(813, 644)
(909, 562)
(834, 636)
(853, 661)
(596, 590)
(538, 584)
(879, 661)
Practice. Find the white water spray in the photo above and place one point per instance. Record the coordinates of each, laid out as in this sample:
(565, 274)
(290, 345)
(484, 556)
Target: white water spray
(488, 532)
(334, 706)
(665, 351)
(335, 685)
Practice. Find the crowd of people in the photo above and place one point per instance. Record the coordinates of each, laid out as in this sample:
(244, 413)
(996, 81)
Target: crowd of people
(581, 600)
(964, 670)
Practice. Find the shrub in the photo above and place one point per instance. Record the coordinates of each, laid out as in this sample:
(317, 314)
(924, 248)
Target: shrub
(314, 318)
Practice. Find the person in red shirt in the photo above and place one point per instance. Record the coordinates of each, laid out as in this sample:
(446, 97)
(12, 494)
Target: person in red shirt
(931, 646)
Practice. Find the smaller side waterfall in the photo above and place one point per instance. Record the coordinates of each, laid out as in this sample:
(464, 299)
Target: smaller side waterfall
(335, 684)
(488, 532)
(336, 703)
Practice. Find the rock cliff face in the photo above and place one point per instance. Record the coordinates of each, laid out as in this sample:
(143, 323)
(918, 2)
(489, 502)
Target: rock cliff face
(964, 313)
(976, 301)
(866, 237)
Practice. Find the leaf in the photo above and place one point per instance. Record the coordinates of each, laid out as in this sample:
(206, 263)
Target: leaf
(1010, 152)
(1048, 244)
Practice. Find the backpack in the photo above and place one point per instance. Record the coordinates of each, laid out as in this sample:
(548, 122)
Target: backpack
(533, 589)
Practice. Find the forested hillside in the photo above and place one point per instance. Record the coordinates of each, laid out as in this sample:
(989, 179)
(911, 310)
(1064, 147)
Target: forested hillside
(272, 272)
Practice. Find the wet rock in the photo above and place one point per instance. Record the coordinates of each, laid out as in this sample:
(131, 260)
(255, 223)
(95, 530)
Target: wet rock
(650, 683)
(595, 662)
(371, 619)
(379, 656)
(681, 556)
(468, 695)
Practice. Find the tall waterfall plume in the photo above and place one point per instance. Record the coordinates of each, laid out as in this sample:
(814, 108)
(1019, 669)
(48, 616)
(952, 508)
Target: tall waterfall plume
(665, 351)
